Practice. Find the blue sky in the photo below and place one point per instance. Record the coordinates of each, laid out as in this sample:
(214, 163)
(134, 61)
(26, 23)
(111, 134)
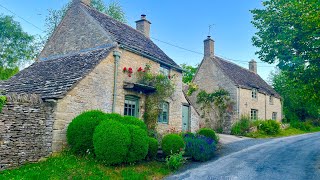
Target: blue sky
(182, 23)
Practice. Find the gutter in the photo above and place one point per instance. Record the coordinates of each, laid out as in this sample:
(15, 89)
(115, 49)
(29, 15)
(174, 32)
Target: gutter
(116, 55)
(150, 57)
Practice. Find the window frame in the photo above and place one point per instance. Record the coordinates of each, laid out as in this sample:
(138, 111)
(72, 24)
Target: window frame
(134, 99)
(254, 93)
(164, 70)
(271, 100)
(254, 114)
(160, 117)
(274, 115)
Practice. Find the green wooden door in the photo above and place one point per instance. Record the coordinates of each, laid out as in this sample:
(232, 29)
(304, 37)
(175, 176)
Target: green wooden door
(185, 118)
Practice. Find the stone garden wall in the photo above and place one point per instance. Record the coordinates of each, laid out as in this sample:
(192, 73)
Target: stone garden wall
(25, 130)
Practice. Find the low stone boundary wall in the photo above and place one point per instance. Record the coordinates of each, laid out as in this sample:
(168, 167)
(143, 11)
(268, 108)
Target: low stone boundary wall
(26, 124)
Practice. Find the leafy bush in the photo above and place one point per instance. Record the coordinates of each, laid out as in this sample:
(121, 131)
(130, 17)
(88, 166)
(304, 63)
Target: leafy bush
(304, 126)
(171, 144)
(314, 122)
(270, 127)
(153, 148)
(200, 148)
(80, 131)
(111, 140)
(187, 134)
(133, 121)
(241, 127)
(138, 149)
(209, 133)
(175, 161)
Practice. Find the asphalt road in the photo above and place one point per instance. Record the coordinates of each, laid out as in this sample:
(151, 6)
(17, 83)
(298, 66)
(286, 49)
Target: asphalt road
(289, 158)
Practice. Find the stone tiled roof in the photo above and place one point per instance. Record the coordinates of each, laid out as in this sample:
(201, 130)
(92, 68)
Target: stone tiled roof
(54, 78)
(128, 36)
(245, 78)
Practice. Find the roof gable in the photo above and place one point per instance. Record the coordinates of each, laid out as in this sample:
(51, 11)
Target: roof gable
(128, 36)
(54, 78)
(244, 78)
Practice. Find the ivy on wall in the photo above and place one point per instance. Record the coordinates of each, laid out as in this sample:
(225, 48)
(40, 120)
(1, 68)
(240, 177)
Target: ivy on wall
(3, 100)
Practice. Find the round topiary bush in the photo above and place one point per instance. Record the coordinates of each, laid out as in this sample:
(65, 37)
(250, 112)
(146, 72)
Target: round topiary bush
(111, 141)
(153, 148)
(80, 131)
(171, 144)
(138, 149)
(208, 133)
(133, 121)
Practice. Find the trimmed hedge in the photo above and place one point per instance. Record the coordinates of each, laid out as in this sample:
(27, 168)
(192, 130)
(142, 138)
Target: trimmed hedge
(138, 149)
(80, 131)
(172, 144)
(111, 140)
(270, 127)
(209, 133)
(130, 120)
(153, 148)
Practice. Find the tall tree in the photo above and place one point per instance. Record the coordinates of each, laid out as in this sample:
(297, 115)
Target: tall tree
(189, 72)
(289, 35)
(16, 47)
(114, 10)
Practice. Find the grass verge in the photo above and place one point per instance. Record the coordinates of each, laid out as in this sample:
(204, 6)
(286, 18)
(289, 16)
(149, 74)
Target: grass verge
(286, 132)
(68, 166)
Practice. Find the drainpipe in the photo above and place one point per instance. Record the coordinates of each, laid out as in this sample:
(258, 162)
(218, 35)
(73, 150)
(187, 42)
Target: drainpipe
(117, 55)
(265, 108)
(238, 102)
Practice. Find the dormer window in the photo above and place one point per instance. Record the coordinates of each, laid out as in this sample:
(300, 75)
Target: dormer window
(164, 70)
(271, 99)
(254, 93)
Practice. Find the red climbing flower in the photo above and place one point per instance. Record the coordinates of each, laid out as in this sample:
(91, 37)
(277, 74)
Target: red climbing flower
(140, 69)
(124, 69)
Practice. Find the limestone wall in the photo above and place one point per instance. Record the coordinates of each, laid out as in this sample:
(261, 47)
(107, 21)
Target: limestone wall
(25, 130)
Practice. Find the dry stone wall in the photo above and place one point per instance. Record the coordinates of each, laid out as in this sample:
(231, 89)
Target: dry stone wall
(25, 130)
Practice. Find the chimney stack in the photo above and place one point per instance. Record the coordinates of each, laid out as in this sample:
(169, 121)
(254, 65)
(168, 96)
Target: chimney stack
(143, 25)
(209, 47)
(87, 2)
(253, 66)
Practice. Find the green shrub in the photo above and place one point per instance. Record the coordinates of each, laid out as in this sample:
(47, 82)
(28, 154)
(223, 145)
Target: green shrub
(133, 121)
(314, 122)
(187, 134)
(138, 149)
(304, 126)
(111, 141)
(153, 148)
(200, 148)
(270, 127)
(241, 127)
(175, 161)
(171, 144)
(80, 131)
(209, 133)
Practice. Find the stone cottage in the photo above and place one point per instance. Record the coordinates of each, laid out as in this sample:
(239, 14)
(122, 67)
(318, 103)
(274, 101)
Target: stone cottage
(81, 68)
(251, 95)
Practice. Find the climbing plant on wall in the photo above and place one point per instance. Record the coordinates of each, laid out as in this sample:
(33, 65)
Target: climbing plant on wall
(3, 100)
(218, 102)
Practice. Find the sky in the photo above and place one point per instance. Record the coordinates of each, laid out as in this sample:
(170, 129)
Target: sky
(180, 23)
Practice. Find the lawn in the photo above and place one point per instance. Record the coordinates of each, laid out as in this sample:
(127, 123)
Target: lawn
(286, 132)
(68, 166)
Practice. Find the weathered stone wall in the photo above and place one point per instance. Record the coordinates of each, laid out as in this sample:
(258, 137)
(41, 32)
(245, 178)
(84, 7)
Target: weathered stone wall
(25, 130)
(265, 109)
(95, 91)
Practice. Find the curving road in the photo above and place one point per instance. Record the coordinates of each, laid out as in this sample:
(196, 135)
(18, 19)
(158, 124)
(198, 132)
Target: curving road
(289, 158)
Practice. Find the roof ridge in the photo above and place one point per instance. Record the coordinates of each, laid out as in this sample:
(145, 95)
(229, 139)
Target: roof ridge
(110, 18)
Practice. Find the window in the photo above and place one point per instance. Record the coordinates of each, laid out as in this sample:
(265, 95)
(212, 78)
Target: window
(254, 114)
(274, 116)
(271, 100)
(164, 113)
(164, 70)
(131, 106)
(254, 93)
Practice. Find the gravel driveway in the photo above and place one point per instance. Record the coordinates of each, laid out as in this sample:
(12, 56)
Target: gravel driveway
(295, 157)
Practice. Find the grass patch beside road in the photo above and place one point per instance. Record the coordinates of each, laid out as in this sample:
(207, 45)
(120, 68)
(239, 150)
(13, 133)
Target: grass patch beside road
(286, 132)
(69, 166)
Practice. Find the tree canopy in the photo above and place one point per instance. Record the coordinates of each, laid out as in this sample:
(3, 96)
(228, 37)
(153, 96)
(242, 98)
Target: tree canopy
(16, 46)
(189, 72)
(289, 35)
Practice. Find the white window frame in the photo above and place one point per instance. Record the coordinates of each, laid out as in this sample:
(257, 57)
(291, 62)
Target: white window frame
(254, 114)
(254, 93)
